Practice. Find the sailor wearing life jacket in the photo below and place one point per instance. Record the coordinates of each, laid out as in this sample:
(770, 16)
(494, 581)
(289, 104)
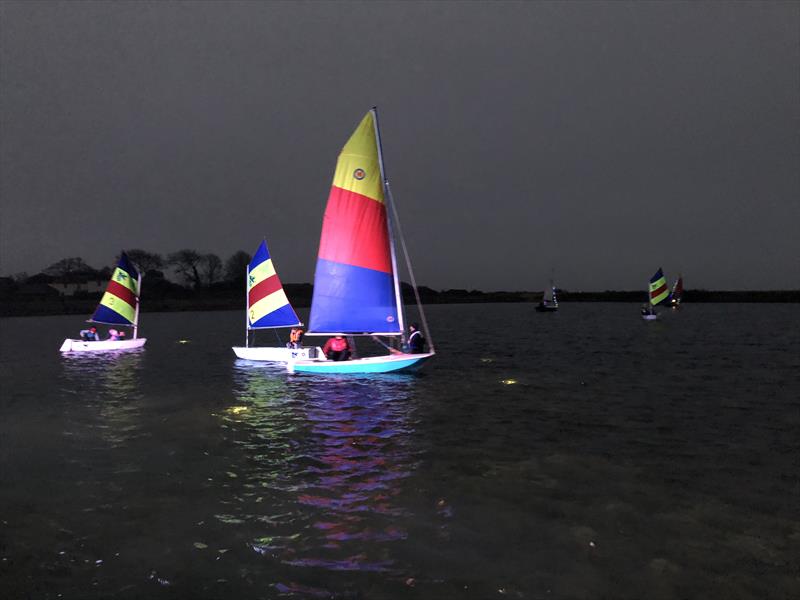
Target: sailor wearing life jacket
(295, 338)
(416, 343)
(337, 348)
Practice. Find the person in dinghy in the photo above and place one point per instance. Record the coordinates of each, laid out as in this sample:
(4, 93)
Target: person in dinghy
(337, 348)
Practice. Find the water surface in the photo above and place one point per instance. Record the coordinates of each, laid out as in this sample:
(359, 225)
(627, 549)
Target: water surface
(583, 454)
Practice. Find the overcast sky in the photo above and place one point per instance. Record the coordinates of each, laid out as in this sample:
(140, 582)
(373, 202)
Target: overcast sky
(598, 140)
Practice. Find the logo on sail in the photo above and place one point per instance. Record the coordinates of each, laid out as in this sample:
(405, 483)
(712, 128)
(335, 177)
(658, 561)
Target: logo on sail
(390, 319)
(359, 174)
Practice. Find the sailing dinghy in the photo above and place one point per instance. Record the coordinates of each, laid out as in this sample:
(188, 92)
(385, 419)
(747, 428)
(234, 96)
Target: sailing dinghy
(657, 293)
(268, 308)
(356, 285)
(677, 293)
(119, 306)
(549, 301)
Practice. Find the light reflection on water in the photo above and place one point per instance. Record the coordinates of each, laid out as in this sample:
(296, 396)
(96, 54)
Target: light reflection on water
(331, 456)
(108, 382)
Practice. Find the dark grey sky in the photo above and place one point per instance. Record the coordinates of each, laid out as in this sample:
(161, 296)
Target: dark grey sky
(601, 140)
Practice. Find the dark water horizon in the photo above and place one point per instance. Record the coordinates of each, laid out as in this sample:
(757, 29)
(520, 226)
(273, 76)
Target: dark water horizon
(577, 455)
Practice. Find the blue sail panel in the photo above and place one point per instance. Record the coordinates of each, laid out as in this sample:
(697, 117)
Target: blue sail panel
(350, 299)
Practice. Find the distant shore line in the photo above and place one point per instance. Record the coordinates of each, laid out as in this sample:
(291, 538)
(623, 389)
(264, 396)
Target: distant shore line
(300, 296)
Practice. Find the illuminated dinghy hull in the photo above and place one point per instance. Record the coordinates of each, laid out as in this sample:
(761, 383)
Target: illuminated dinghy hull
(374, 364)
(102, 345)
(276, 354)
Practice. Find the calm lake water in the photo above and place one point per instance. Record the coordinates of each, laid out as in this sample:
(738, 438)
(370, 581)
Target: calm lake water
(578, 455)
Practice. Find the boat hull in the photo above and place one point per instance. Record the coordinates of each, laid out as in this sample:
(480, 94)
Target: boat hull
(546, 308)
(649, 317)
(277, 354)
(102, 345)
(391, 363)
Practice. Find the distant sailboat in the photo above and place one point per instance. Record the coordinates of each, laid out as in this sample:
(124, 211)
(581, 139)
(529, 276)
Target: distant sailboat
(657, 293)
(677, 293)
(119, 306)
(549, 301)
(268, 308)
(356, 286)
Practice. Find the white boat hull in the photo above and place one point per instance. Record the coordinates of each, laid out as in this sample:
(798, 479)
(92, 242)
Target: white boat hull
(277, 354)
(373, 364)
(102, 345)
(649, 317)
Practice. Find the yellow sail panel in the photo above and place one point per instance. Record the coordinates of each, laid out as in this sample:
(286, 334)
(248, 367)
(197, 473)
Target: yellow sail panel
(357, 169)
(124, 278)
(119, 306)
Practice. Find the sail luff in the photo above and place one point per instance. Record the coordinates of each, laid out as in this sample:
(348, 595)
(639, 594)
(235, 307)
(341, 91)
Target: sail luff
(388, 199)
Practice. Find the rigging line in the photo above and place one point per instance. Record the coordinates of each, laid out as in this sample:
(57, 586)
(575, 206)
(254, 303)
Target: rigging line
(396, 221)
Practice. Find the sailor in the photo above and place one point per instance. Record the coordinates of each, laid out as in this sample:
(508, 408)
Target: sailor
(295, 338)
(90, 335)
(337, 348)
(416, 343)
(115, 335)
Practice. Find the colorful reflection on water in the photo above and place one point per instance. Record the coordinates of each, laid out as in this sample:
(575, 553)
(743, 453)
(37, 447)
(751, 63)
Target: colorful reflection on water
(327, 460)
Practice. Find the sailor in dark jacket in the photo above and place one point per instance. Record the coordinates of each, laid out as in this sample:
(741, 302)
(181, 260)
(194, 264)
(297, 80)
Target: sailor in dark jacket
(416, 343)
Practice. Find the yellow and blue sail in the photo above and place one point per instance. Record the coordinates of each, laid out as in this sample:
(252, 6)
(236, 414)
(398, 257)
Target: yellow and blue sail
(267, 304)
(658, 288)
(119, 302)
(354, 280)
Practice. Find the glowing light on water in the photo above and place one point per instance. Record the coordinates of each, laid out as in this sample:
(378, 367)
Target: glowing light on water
(235, 410)
(508, 381)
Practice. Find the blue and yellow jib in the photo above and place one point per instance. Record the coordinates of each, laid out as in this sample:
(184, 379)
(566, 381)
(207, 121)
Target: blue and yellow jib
(658, 288)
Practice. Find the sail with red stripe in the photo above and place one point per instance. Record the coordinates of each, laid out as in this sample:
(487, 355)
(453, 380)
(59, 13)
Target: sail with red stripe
(658, 288)
(677, 291)
(119, 303)
(354, 288)
(267, 304)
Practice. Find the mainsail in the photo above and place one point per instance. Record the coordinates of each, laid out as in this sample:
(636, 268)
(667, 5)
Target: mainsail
(677, 291)
(658, 288)
(354, 282)
(267, 304)
(119, 305)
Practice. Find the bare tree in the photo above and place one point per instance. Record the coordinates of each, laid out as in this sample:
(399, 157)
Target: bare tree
(212, 268)
(146, 261)
(69, 266)
(187, 264)
(236, 266)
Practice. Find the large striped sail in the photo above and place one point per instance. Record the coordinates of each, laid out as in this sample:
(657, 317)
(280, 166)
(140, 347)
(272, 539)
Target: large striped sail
(658, 288)
(118, 306)
(267, 304)
(354, 289)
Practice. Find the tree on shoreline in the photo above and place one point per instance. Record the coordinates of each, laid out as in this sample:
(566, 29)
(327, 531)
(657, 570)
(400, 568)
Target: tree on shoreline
(187, 264)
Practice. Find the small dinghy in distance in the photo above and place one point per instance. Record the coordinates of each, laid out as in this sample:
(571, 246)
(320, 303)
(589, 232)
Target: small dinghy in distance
(268, 308)
(356, 285)
(119, 306)
(549, 301)
(677, 293)
(657, 293)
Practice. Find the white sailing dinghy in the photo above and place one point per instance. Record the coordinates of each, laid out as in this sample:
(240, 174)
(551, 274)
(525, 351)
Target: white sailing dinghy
(657, 293)
(356, 285)
(549, 302)
(119, 306)
(268, 308)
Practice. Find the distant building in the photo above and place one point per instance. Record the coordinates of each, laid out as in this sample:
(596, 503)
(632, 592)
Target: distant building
(70, 285)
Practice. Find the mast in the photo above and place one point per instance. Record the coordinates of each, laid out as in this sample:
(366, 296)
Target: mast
(136, 314)
(247, 307)
(387, 198)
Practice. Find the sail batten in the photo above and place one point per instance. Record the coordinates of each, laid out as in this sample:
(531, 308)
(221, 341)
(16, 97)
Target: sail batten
(267, 303)
(354, 278)
(121, 298)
